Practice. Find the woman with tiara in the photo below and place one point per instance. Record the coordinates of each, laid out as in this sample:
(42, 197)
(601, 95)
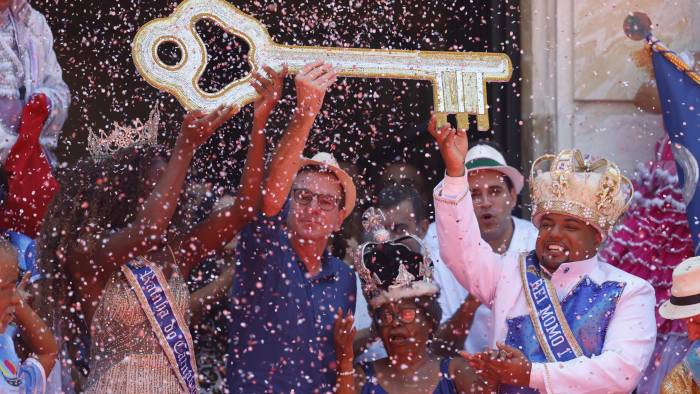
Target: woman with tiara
(110, 266)
(396, 277)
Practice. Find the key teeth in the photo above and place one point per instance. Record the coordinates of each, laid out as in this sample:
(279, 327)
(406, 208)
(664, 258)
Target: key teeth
(482, 122)
(462, 120)
(441, 120)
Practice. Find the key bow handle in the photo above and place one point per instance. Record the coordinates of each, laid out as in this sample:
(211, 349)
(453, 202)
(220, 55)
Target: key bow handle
(181, 79)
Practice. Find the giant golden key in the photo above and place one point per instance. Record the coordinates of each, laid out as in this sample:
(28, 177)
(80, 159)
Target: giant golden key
(458, 78)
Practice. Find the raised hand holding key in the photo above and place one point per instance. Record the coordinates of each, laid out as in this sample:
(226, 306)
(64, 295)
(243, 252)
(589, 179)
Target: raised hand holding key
(453, 146)
(312, 82)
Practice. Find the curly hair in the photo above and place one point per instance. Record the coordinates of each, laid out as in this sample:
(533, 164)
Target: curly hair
(96, 199)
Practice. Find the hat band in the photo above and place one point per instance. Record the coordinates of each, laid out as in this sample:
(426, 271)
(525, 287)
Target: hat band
(685, 301)
(482, 162)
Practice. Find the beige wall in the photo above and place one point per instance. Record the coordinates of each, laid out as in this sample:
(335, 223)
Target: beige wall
(580, 79)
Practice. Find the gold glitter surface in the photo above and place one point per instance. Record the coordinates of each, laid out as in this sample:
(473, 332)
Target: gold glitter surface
(125, 356)
(679, 381)
(459, 78)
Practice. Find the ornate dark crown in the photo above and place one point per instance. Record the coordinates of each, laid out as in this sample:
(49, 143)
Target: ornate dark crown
(391, 269)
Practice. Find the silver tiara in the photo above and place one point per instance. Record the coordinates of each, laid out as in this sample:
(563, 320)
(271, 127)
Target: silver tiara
(102, 145)
(373, 221)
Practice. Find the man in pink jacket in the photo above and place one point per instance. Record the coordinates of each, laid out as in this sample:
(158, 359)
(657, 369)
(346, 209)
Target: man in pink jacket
(564, 322)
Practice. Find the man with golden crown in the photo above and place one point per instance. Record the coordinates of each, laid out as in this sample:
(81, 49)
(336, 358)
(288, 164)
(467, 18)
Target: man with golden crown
(564, 321)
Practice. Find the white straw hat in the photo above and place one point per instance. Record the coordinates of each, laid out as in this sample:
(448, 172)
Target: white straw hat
(485, 157)
(685, 291)
(327, 161)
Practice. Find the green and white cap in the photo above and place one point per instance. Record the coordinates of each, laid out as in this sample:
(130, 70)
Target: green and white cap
(486, 157)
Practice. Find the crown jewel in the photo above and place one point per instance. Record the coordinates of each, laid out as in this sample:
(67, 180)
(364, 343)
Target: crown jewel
(594, 191)
(102, 145)
(373, 222)
(403, 279)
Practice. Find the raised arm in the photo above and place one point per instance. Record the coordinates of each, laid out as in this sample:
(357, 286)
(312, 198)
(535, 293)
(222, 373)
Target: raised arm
(471, 259)
(153, 218)
(311, 85)
(220, 227)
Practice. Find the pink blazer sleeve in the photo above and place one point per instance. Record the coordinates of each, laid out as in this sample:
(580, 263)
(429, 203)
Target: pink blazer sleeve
(470, 258)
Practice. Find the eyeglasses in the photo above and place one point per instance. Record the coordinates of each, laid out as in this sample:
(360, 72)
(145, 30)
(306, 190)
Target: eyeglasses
(406, 316)
(326, 202)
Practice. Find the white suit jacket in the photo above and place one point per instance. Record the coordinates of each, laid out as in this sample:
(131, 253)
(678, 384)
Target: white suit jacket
(495, 280)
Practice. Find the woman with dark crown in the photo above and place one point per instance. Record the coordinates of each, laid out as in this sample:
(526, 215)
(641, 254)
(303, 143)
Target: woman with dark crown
(109, 263)
(396, 277)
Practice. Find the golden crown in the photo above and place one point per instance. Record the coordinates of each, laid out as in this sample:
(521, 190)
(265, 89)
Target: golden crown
(102, 145)
(594, 191)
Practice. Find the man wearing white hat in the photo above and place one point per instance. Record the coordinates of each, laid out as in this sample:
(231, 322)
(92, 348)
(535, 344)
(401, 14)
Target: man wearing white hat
(564, 321)
(684, 304)
(287, 287)
(494, 187)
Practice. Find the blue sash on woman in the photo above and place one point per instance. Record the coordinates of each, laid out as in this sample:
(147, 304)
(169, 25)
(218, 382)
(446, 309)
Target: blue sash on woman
(154, 296)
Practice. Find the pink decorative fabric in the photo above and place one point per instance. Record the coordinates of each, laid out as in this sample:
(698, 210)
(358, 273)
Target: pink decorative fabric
(653, 237)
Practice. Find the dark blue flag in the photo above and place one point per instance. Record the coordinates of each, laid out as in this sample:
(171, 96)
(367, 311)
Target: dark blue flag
(679, 91)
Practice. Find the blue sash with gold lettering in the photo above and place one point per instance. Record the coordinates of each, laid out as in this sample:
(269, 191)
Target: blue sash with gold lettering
(551, 328)
(154, 296)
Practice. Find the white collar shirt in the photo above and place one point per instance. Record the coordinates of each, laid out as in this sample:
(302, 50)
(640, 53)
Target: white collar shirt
(453, 294)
